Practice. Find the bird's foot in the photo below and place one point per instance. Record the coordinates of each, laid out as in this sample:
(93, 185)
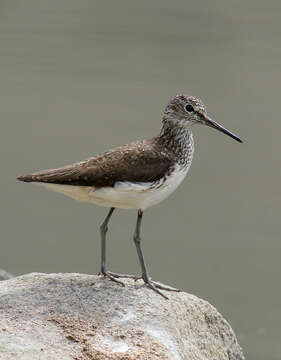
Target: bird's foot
(110, 276)
(122, 276)
(165, 287)
(156, 285)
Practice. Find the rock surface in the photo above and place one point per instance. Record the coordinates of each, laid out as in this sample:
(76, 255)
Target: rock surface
(84, 317)
(4, 275)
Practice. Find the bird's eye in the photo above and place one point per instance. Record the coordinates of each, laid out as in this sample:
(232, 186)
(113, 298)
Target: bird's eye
(189, 108)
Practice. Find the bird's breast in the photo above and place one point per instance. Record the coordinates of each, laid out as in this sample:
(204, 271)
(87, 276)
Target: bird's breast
(126, 194)
(140, 195)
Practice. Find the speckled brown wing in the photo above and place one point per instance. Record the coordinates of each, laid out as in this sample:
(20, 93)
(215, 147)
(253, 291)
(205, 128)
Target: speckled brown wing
(141, 161)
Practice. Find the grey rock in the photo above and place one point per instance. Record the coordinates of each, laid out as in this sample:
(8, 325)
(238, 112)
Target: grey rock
(4, 275)
(84, 317)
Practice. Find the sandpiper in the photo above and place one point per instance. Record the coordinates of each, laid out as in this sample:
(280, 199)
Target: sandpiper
(136, 175)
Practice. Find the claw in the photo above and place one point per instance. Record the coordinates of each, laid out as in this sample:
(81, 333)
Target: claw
(111, 277)
(150, 284)
(154, 285)
(165, 287)
(115, 275)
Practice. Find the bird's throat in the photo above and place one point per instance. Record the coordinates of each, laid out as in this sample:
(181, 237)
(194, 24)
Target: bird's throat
(179, 141)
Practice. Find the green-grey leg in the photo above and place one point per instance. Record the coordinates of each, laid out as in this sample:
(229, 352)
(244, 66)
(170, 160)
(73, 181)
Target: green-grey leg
(103, 271)
(103, 231)
(152, 284)
(113, 276)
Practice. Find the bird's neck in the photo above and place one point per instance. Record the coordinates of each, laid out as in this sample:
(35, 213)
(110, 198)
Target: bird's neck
(178, 141)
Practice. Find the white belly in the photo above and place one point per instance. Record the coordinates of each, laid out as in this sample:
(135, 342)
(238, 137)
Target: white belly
(124, 195)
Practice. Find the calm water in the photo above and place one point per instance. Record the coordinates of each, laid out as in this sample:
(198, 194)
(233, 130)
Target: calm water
(78, 77)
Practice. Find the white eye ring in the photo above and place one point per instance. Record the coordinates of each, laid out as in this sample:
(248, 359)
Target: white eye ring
(189, 108)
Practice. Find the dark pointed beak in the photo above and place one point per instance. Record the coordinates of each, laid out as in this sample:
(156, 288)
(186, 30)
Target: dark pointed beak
(210, 122)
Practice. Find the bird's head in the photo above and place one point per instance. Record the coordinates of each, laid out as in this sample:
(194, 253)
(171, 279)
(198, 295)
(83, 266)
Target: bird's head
(184, 111)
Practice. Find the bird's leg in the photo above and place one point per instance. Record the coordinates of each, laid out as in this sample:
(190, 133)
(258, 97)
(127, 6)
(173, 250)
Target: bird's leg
(152, 284)
(103, 271)
(103, 231)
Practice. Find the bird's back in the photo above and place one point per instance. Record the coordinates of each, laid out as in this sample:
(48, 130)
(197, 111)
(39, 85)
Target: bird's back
(140, 161)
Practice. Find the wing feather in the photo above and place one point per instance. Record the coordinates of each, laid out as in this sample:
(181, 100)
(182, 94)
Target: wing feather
(137, 162)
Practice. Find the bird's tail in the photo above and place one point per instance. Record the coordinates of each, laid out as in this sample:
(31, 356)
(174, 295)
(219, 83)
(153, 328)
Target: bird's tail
(27, 177)
(49, 176)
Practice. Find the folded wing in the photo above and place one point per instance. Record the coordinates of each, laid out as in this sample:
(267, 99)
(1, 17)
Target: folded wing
(137, 162)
